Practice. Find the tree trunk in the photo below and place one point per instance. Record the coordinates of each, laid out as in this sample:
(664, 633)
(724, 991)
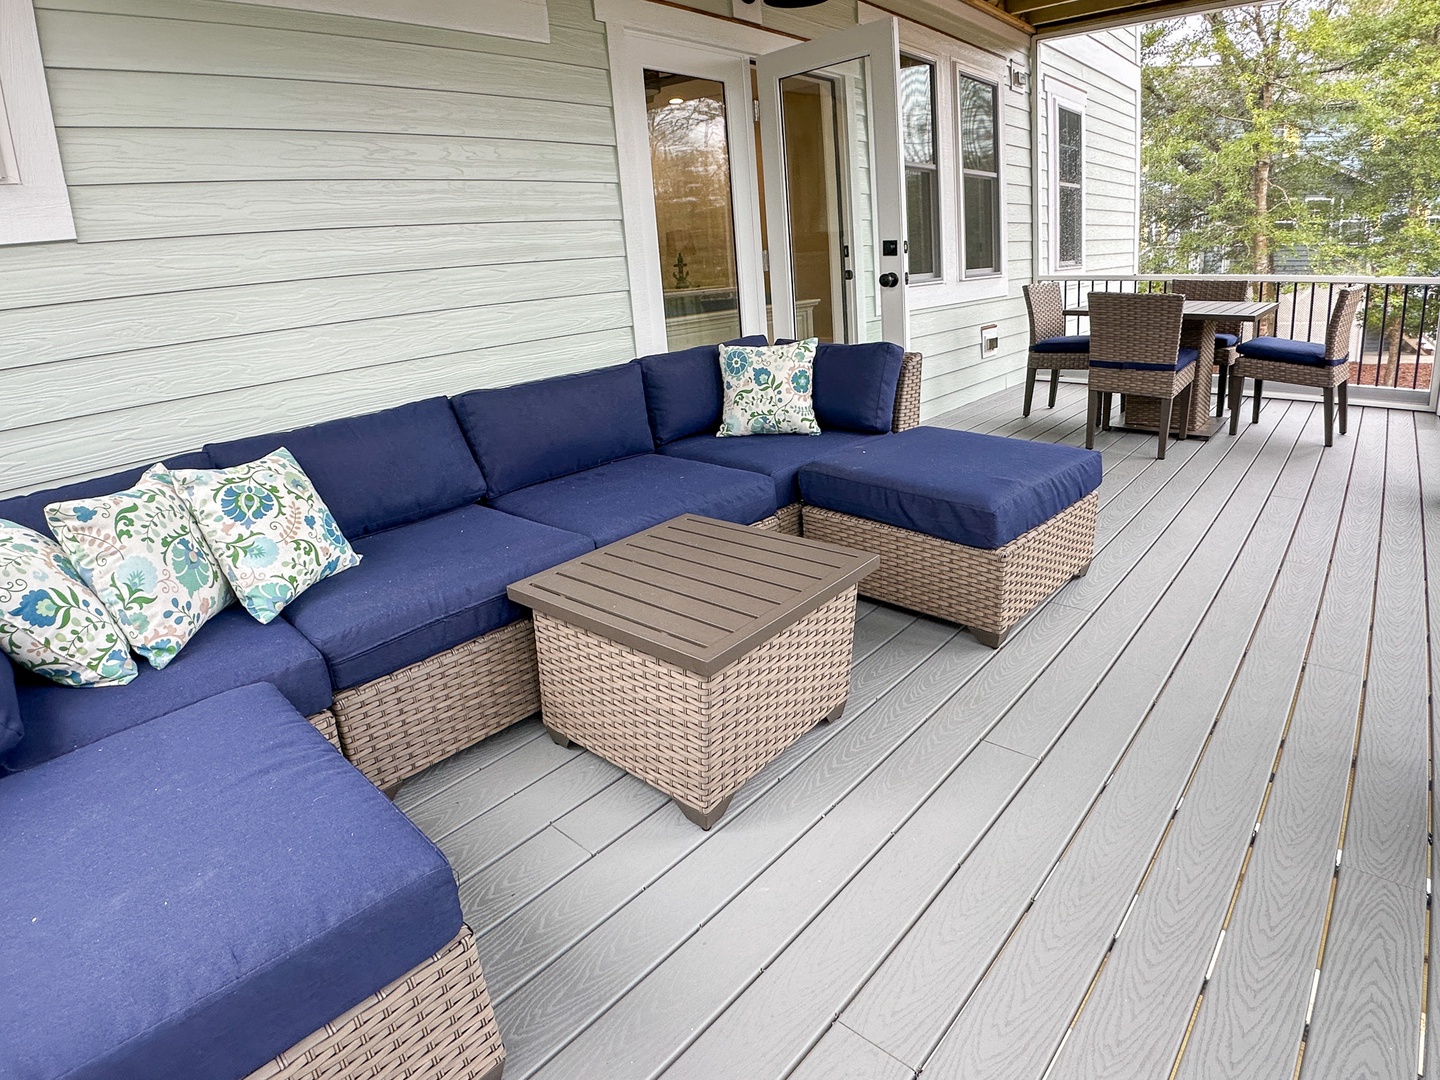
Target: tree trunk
(1391, 339)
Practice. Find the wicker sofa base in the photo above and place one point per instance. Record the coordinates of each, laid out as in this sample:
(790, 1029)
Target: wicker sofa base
(789, 517)
(433, 1022)
(324, 722)
(695, 738)
(395, 726)
(988, 591)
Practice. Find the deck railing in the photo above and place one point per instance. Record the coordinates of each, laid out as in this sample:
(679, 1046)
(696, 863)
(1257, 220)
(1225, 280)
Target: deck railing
(1394, 347)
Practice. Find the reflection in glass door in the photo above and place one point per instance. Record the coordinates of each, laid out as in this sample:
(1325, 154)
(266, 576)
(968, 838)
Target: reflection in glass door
(690, 163)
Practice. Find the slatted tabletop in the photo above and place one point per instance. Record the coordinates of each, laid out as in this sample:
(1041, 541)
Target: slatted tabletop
(695, 592)
(1211, 310)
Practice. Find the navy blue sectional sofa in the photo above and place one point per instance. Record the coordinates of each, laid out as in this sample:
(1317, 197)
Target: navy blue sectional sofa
(194, 880)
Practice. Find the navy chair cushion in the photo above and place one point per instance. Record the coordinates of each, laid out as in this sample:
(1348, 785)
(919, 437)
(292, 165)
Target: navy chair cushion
(29, 510)
(1226, 341)
(612, 501)
(195, 895)
(378, 470)
(855, 386)
(1183, 359)
(776, 456)
(683, 391)
(538, 431)
(423, 588)
(231, 650)
(978, 490)
(1285, 351)
(1068, 343)
(12, 728)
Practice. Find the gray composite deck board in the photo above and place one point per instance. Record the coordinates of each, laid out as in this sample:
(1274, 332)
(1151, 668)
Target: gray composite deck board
(1427, 438)
(946, 865)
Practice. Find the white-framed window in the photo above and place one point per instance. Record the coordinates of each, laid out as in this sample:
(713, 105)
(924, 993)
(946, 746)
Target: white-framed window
(34, 202)
(1067, 178)
(980, 194)
(922, 167)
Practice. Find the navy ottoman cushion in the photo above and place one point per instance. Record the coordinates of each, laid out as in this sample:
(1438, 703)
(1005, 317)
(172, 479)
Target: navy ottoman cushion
(1066, 343)
(683, 391)
(776, 456)
(1286, 351)
(378, 470)
(424, 588)
(192, 896)
(978, 490)
(231, 650)
(29, 510)
(537, 431)
(612, 501)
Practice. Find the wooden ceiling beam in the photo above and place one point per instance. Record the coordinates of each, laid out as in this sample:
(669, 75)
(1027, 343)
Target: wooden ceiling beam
(1057, 19)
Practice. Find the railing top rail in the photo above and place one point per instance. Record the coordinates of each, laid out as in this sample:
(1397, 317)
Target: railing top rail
(1281, 279)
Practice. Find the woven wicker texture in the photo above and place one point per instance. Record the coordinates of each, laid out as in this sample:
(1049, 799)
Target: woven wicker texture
(434, 1023)
(907, 393)
(1150, 384)
(395, 726)
(769, 524)
(1045, 303)
(986, 590)
(1215, 290)
(789, 516)
(697, 739)
(1342, 322)
(1135, 328)
(324, 722)
(1320, 375)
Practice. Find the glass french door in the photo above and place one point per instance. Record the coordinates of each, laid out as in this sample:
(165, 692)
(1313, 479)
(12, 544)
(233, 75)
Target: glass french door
(834, 197)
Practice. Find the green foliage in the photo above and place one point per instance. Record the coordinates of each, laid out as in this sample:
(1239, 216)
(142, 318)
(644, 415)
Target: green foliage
(1308, 127)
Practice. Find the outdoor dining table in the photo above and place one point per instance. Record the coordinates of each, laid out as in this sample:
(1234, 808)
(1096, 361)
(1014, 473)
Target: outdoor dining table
(1201, 319)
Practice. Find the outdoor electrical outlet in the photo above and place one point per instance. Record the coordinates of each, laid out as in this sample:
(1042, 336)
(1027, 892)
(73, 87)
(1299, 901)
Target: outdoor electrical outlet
(989, 339)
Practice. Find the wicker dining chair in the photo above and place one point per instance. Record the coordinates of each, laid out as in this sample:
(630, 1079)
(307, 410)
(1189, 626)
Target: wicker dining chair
(1227, 334)
(1302, 363)
(1050, 347)
(1135, 349)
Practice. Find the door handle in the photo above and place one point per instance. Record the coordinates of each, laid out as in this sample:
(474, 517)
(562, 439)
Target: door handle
(888, 281)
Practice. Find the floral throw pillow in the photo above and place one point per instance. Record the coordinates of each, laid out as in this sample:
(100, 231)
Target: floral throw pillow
(142, 554)
(768, 390)
(270, 531)
(50, 622)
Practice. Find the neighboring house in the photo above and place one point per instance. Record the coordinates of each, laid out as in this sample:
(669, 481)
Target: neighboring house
(286, 215)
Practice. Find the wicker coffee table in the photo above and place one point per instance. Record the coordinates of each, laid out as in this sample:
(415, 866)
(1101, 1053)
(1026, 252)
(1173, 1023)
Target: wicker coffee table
(693, 653)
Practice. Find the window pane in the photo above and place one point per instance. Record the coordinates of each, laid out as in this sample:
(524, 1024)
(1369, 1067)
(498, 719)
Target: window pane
(1069, 140)
(920, 211)
(1071, 219)
(981, 246)
(917, 110)
(690, 159)
(977, 124)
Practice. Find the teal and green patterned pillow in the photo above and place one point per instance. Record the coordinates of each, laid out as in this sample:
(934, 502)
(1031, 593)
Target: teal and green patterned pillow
(143, 555)
(769, 390)
(50, 621)
(270, 531)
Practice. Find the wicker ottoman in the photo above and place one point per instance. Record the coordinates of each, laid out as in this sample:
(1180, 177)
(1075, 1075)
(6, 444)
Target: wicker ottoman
(974, 529)
(693, 653)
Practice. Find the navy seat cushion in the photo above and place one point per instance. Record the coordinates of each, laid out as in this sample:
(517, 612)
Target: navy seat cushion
(612, 501)
(1226, 341)
(537, 431)
(231, 650)
(683, 391)
(855, 386)
(1067, 343)
(1289, 352)
(423, 588)
(978, 490)
(378, 470)
(776, 456)
(193, 896)
(12, 729)
(1183, 359)
(29, 510)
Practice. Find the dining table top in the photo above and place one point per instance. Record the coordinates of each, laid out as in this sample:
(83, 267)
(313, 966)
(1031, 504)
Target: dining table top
(1212, 310)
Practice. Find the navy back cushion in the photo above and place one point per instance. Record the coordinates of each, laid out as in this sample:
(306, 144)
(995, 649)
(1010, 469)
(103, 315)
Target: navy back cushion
(379, 470)
(29, 510)
(855, 386)
(683, 391)
(11, 726)
(539, 431)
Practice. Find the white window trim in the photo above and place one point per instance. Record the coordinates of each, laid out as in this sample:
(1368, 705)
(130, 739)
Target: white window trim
(951, 59)
(34, 201)
(1072, 98)
(527, 20)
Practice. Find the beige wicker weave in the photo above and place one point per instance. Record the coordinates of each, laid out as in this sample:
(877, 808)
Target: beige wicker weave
(434, 1023)
(986, 590)
(1329, 377)
(324, 722)
(1137, 328)
(1045, 303)
(1210, 289)
(769, 524)
(696, 738)
(789, 516)
(397, 725)
(907, 393)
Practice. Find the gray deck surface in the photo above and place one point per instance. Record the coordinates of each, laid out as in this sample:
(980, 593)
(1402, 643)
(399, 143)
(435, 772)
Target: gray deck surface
(1179, 825)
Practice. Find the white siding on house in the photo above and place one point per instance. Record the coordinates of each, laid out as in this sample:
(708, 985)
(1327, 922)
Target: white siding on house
(285, 217)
